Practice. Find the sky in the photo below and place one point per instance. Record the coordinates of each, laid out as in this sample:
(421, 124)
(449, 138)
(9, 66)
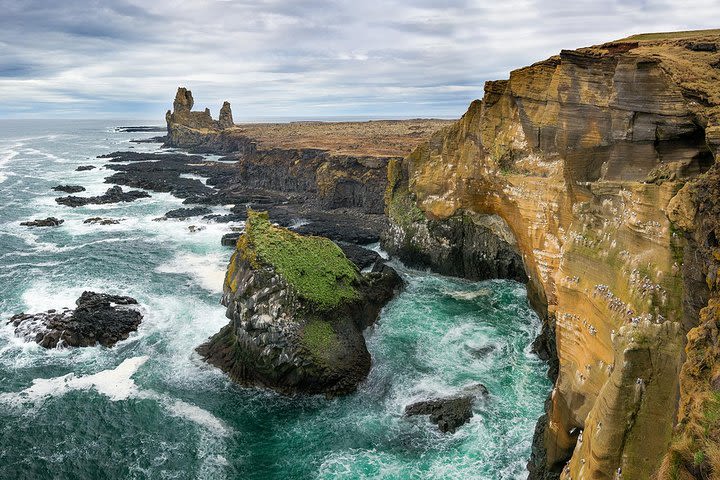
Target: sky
(296, 58)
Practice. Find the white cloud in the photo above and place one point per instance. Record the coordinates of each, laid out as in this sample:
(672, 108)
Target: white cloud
(296, 57)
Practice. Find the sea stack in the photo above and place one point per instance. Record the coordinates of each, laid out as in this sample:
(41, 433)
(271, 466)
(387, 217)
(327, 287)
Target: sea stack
(226, 118)
(297, 307)
(187, 128)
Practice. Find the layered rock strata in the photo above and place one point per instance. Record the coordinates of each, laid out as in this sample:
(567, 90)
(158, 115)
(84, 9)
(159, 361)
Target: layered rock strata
(594, 168)
(297, 307)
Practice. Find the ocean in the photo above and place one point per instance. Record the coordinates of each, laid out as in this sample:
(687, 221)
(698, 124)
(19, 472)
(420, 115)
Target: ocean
(149, 408)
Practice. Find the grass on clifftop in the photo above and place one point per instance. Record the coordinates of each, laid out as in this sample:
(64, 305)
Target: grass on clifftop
(672, 35)
(315, 266)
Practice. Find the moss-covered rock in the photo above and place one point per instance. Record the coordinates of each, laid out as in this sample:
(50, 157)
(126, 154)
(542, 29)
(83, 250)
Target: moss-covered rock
(297, 307)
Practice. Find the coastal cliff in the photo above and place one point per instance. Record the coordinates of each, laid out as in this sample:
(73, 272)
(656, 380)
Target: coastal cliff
(592, 174)
(341, 165)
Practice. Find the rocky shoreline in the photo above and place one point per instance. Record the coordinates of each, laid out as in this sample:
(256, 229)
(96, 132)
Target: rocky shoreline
(98, 319)
(589, 176)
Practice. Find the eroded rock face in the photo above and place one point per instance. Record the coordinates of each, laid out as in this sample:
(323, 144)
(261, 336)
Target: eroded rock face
(226, 119)
(583, 157)
(98, 319)
(187, 128)
(297, 308)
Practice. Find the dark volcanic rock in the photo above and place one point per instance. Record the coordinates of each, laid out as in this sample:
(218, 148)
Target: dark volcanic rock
(82, 168)
(466, 245)
(142, 128)
(102, 221)
(230, 239)
(448, 413)
(116, 157)
(98, 318)
(47, 222)
(362, 257)
(163, 173)
(297, 308)
(69, 188)
(160, 139)
(112, 195)
(188, 212)
(702, 46)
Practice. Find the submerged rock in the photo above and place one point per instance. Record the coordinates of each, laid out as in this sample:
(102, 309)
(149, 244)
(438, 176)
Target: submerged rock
(69, 188)
(47, 222)
(448, 413)
(83, 168)
(112, 195)
(102, 221)
(297, 307)
(181, 213)
(98, 319)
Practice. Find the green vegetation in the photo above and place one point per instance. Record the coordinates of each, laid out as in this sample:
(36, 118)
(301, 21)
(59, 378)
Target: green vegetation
(314, 266)
(671, 35)
(320, 340)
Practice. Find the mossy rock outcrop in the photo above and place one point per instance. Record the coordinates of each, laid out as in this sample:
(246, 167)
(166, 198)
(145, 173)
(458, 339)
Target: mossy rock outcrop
(297, 307)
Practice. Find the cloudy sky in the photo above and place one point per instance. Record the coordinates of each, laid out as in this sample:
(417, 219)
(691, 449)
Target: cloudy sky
(299, 58)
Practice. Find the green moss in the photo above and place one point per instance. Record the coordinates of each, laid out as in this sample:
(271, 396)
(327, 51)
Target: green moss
(401, 206)
(320, 340)
(699, 458)
(712, 409)
(314, 266)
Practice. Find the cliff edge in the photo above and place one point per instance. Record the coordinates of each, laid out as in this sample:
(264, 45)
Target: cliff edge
(593, 174)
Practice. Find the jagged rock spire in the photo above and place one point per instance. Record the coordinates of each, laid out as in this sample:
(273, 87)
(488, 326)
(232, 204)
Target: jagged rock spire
(183, 100)
(226, 119)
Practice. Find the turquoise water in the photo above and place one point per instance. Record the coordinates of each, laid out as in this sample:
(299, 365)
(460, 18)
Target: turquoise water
(149, 408)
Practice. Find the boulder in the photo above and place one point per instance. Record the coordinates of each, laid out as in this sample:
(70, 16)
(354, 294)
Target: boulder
(181, 213)
(98, 319)
(448, 413)
(102, 221)
(69, 188)
(47, 222)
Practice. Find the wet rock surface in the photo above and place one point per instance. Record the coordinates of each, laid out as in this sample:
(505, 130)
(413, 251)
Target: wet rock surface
(226, 185)
(448, 413)
(46, 222)
(102, 221)
(97, 319)
(181, 213)
(83, 168)
(112, 195)
(69, 188)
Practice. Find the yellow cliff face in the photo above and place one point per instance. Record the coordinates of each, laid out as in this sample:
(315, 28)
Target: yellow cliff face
(583, 156)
